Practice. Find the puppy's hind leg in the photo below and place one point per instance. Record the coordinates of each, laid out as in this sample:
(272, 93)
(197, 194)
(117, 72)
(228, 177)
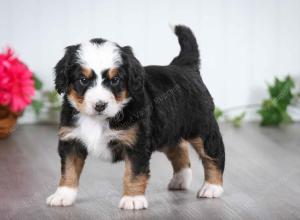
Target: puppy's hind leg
(211, 151)
(179, 157)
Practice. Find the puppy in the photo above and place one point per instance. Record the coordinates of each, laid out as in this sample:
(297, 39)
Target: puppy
(116, 109)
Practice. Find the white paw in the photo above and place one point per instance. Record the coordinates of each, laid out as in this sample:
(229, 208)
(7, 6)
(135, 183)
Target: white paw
(209, 190)
(181, 180)
(63, 196)
(133, 202)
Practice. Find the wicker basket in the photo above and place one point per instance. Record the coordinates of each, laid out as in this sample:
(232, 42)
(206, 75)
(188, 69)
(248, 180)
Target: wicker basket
(8, 121)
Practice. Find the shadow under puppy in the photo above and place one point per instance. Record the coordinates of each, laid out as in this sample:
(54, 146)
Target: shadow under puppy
(116, 109)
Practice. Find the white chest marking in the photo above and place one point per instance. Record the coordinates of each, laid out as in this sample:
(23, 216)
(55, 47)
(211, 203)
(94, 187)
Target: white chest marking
(94, 133)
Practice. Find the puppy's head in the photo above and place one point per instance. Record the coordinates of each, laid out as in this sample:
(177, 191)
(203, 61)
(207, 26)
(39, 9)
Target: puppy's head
(99, 77)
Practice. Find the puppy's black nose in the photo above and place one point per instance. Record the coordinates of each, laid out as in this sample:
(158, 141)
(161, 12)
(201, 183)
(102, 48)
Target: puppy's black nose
(100, 106)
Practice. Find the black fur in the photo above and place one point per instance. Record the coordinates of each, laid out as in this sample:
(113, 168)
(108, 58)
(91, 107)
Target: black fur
(137, 73)
(62, 79)
(168, 103)
(189, 53)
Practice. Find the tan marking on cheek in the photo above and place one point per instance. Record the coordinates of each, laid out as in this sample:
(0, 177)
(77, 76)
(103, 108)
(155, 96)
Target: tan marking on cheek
(76, 99)
(212, 173)
(179, 156)
(87, 72)
(112, 73)
(122, 96)
(72, 170)
(133, 184)
(128, 136)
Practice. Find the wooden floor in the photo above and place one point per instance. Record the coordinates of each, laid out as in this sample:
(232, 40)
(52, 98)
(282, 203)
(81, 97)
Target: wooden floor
(262, 179)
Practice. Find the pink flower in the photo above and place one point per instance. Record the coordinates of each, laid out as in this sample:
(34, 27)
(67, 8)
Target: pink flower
(16, 83)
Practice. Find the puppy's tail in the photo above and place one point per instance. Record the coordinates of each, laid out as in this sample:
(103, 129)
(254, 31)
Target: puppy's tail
(189, 53)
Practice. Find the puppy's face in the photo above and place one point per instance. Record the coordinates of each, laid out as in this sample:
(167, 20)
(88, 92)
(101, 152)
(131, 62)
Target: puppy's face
(99, 77)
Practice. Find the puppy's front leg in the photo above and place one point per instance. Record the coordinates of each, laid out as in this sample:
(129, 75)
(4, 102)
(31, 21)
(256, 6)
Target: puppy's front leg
(72, 155)
(134, 183)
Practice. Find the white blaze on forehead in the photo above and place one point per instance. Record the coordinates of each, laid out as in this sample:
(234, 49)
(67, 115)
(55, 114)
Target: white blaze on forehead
(99, 57)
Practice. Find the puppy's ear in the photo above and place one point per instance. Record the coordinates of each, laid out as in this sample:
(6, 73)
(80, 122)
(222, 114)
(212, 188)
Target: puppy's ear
(61, 75)
(135, 71)
(61, 69)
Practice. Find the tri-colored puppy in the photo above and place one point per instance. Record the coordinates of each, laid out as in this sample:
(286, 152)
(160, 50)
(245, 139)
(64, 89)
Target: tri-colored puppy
(116, 109)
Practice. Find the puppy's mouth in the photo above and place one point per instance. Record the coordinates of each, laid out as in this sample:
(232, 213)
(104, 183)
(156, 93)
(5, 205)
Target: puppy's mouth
(95, 114)
(99, 114)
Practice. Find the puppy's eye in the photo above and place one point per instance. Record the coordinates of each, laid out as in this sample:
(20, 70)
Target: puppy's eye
(84, 81)
(115, 80)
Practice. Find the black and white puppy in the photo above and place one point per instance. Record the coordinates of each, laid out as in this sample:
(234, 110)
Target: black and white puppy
(116, 109)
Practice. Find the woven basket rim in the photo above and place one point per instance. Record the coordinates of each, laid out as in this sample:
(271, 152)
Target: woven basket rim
(8, 121)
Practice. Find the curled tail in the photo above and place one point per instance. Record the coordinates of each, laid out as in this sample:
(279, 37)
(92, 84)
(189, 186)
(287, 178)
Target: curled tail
(189, 53)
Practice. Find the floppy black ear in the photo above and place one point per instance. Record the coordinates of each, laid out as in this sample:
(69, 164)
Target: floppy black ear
(62, 68)
(136, 73)
(61, 80)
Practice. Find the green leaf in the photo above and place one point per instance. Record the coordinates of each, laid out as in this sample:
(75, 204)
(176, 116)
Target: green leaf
(281, 92)
(218, 113)
(273, 111)
(237, 120)
(286, 118)
(270, 114)
(37, 83)
(37, 106)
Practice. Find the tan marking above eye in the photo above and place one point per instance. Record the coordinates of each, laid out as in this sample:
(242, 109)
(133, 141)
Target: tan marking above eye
(112, 73)
(87, 72)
